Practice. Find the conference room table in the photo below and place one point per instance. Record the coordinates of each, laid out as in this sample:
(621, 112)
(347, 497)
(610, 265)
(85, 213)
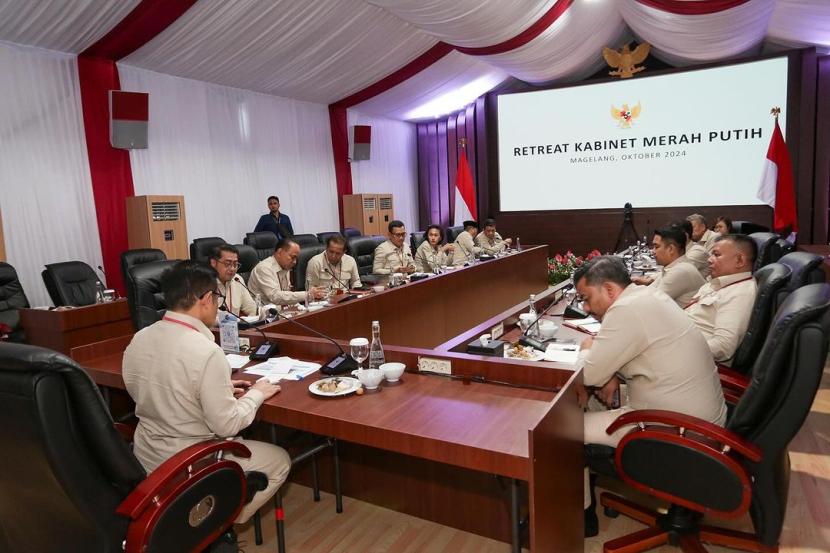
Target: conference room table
(497, 441)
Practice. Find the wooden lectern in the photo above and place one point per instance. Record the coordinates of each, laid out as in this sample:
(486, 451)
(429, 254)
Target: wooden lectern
(158, 222)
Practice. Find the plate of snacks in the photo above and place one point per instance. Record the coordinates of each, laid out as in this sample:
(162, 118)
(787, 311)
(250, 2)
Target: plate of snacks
(525, 353)
(334, 386)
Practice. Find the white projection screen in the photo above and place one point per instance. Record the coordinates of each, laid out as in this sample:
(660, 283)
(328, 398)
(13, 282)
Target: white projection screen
(689, 138)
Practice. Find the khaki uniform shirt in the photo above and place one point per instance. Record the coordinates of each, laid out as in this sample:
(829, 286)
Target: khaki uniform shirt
(648, 340)
(427, 258)
(721, 311)
(699, 257)
(237, 298)
(496, 245)
(464, 248)
(679, 280)
(181, 384)
(707, 241)
(319, 272)
(273, 283)
(388, 258)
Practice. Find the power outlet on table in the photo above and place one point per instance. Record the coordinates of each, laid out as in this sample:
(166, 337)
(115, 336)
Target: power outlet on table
(430, 364)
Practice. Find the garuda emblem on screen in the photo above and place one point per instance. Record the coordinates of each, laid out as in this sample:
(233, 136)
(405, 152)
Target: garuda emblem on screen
(625, 116)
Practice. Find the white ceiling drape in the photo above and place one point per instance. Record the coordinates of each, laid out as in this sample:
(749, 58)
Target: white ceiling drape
(687, 39)
(801, 23)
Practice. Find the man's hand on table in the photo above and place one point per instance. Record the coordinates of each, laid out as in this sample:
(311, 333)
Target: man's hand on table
(642, 280)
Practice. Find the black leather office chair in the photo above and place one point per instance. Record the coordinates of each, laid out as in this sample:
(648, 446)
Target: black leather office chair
(70, 483)
(362, 248)
(452, 233)
(324, 236)
(202, 248)
(130, 258)
(305, 240)
(351, 232)
(766, 248)
(770, 279)
(416, 239)
(12, 298)
(70, 283)
(701, 468)
(780, 249)
(747, 227)
(806, 269)
(263, 242)
(248, 259)
(144, 295)
(299, 270)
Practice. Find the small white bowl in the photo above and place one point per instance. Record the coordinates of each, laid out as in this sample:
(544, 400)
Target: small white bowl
(379, 288)
(392, 371)
(547, 329)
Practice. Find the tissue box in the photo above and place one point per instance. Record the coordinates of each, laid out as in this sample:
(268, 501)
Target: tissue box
(493, 347)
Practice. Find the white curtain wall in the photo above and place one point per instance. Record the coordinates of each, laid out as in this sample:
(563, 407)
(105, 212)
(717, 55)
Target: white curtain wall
(45, 188)
(227, 149)
(392, 167)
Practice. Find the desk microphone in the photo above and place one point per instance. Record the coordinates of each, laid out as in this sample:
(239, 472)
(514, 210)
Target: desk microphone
(341, 364)
(574, 312)
(103, 274)
(266, 349)
(348, 296)
(529, 341)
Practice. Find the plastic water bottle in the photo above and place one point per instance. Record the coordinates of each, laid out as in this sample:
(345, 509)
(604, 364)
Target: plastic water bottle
(518, 244)
(376, 357)
(228, 332)
(99, 292)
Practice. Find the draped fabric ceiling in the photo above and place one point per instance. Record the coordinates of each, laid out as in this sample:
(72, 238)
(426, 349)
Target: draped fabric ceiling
(326, 50)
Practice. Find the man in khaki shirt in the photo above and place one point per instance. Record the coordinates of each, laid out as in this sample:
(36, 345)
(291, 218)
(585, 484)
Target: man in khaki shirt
(394, 255)
(181, 384)
(678, 278)
(225, 261)
(465, 248)
(333, 268)
(271, 277)
(491, 241)
(701, 235)
(646, 340)
(722, 307)
(695, 253)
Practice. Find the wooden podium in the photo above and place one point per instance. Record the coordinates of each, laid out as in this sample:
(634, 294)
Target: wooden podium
(158, 222)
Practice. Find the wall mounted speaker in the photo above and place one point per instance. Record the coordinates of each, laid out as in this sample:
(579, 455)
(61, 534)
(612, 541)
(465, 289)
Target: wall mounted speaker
(129, 114)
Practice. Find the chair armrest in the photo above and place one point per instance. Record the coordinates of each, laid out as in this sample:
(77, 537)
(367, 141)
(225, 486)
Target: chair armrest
(732, 397)
(174, 468)
(683, 423)
(732, 379)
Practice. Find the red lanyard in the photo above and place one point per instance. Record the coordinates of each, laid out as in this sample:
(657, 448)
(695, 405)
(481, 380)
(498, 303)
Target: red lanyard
(727, 286)
(188, 325)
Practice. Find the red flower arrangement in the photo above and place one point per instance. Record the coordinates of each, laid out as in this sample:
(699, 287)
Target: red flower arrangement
(561, 267)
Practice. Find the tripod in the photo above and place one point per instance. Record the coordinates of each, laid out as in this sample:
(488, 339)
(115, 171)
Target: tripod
(628, 234)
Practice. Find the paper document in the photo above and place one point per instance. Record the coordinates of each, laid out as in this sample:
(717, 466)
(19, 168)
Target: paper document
(588, 324)
(283, 368)
(562, 353)
(236, 361)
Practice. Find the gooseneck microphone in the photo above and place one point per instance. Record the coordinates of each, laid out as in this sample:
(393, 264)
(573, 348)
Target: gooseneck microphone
(266, 349)
(103, 274)
(529, 341)
(341, 364)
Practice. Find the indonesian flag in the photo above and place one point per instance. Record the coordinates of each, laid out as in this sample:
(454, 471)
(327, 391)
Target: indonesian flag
(465, 193)
(776, 188)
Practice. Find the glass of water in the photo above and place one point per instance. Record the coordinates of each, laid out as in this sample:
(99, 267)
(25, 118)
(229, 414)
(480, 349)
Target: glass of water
(360, 350)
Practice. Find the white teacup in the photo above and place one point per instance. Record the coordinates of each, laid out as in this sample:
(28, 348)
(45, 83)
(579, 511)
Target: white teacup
(379, 288)
(392, 371)
(370, 378)
(547, 329)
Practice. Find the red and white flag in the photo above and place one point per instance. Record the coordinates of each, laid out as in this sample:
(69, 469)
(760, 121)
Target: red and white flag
(776, 188)
(465, 192)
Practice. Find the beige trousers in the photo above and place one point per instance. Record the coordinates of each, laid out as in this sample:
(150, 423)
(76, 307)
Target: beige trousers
(595, 424)
(271, 460)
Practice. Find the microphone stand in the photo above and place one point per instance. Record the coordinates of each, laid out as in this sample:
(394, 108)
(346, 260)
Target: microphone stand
(529, 341)
(341, 364)
(348, 296)
(266, 349)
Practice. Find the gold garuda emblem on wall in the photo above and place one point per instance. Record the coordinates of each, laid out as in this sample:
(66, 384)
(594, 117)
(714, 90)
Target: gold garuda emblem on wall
(625, 61)
(625, 116)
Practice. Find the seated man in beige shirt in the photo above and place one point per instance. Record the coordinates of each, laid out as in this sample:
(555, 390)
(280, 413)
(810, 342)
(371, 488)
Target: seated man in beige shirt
(465, 248)
(271, 277)
(678, 278)
(181, 384)
(491, 241)
(648, 341)
(722, 307)
(225, 261)
(333, 268)
(701, 235)
(695, 253)
(394, 255)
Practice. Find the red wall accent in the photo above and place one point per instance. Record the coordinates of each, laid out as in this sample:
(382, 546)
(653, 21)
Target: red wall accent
(683, 7)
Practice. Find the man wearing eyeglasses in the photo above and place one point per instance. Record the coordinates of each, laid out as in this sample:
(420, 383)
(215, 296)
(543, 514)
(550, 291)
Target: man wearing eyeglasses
(181, 383)
(225, 261)
(394, 255)
(271, 276)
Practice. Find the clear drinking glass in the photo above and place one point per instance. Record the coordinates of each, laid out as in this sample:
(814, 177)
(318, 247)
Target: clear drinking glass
(360, 350)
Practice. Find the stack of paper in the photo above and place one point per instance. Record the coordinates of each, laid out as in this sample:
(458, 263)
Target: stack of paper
(283, 368)
(588, 324)
(562, 353)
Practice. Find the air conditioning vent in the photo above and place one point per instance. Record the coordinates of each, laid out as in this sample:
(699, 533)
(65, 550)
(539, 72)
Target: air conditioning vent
(385, 202)
(369, 204)
(165, 211)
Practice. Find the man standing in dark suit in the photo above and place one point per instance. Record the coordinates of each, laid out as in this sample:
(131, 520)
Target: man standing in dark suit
(274, 221)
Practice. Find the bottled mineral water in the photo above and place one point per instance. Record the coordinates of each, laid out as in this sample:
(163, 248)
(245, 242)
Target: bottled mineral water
(376, 357)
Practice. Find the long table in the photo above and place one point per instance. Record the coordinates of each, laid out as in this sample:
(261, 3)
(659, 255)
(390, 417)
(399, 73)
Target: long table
(461, 451)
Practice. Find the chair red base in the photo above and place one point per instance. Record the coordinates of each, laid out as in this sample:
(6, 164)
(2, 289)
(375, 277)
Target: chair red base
(679, 528)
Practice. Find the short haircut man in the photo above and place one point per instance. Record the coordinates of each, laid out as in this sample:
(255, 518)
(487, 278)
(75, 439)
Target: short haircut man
(678, 279)
(721, 308)
(275, 221)
(271, 278)
(238, 300)
(333, 268)
(489, 240)
(181, 383)
(701, 234)
(395, 224)
(276, 198)
(673, 235)
(336, 239)
(696, 253)
(645, 339)
(465, 246)
(394, 255)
